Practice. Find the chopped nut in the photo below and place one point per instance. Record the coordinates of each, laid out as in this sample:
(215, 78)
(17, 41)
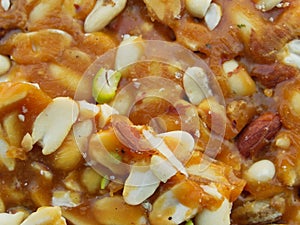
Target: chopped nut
(239, 80)
(87, 110)
(105, 113)
(291, 53)
(162, 168)
(167, 208)
(213, 16)
(266, 5)
(42, 170)
(45, 215)
(4, 62)
(196, 85)
(8, 162)
(102, 13)
(114, 210)
(66, 198)
(197, 8)
(12, 219)
(68, 154)
(54, 123)
(283, 142)
(140, 184)
(27, 142)
(91, 180)
(129, 51)
(220, 216)
(261, 171)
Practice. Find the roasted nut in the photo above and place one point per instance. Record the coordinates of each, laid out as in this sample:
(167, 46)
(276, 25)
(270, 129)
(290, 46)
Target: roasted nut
(102, 13)
(266, 5)
(213, 16)
(45, 215)
(258, 134)
(4, 64)
(114, 210)
(261, 171)
(197, 8)
(91, 180)
(54, 123)
(239, 80)
(13, 129)
(8, 162)
(68, 155)
(12, 219)
(256, 212)
(5, 5)
(132, 45)
(164, 10)
(66, 198)
(196, 85)
(140, 184)
(220, 216)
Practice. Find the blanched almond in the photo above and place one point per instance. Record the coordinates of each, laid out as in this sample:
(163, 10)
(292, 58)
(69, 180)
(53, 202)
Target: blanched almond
(140, 184)
(54, 123)
(162, 168)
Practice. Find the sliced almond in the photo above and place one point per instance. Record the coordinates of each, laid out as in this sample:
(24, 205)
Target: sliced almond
(182, 143)
(158, 143)
(99, 154)
(105, 113)
(140, 184)
(102, 13)
(54, 123)
(162, 168)
(213, 16)
(197, 8)
(129, 51)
